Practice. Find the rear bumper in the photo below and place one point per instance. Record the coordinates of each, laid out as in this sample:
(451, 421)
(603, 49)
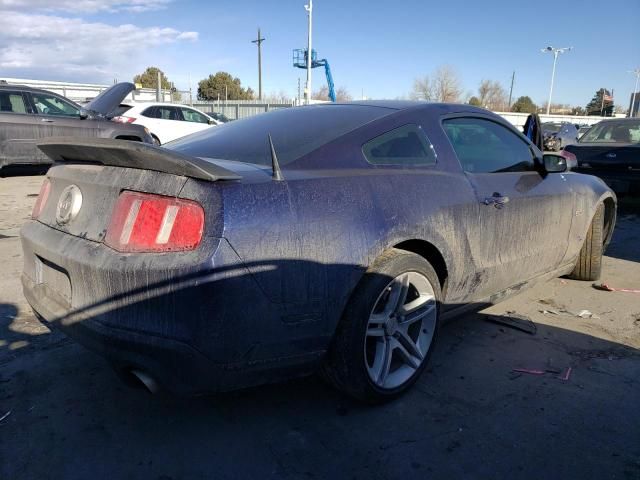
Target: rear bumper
(196, 322)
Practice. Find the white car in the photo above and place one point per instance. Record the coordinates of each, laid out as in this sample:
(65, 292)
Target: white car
(165, 121)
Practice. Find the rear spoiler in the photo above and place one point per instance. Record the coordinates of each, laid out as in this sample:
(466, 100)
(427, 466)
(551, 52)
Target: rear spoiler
(129, 154)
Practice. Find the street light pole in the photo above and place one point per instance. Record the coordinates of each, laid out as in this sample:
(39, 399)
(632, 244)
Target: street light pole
(556, 52)
(636, 72)
(307, 88)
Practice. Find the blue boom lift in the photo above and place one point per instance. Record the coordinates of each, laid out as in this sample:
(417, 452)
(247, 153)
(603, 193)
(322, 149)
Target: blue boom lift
(300, 58)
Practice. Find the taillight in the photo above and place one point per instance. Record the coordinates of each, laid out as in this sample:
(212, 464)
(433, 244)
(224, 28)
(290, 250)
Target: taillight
(123, 119)
(142, 222)
(572, 160)
(45, 189)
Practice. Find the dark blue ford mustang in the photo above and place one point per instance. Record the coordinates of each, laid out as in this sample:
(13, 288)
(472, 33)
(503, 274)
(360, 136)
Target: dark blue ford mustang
(333, 237)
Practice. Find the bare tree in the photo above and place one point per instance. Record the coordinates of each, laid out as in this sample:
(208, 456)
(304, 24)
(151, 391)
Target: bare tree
(446, 85)
(421, 89)
(321, 94)
(343, 95)
(483, 91)
(492, 95)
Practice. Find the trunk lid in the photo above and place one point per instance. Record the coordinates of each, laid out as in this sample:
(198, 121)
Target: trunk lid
(107, 101)
(101, 169)
(608, 156)
(100, 187)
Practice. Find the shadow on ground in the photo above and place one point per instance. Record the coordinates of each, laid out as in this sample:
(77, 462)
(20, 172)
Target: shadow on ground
(469, 416)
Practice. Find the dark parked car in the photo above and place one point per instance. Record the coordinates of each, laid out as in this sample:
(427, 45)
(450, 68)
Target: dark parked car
(611, 151)
(28, 115)
(558, 135)
(333, 237)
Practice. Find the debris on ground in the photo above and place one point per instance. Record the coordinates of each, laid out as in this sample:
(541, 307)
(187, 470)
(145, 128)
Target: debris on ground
(5, 415)
(517, 372)
(566, 375)
(607, 288)
(513, 320)
(568, 313)
(529, 371)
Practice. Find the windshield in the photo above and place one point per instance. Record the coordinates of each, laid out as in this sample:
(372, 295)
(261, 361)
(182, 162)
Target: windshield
(295, 131)
(613, 132)
(221, 117)
(551, 127)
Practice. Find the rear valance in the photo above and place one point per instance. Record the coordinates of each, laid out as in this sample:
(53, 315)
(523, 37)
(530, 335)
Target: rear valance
(128, 154)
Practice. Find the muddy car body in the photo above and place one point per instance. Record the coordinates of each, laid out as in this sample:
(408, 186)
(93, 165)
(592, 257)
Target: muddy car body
(318, 222)
(29, 115)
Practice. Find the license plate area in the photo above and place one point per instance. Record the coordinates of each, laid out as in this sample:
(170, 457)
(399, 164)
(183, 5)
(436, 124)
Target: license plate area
(54, 277)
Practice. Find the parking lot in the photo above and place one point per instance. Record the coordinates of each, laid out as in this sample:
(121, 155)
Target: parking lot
(66, 415)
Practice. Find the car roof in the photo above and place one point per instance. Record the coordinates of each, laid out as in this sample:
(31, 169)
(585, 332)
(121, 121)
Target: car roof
(154, 104)
(401, 105)
(25, 88)
(620, 120)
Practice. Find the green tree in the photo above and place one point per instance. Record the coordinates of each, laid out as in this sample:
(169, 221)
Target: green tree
(475, 101)
(524, 104)
(599, 107)
(149, 79)
(213, 87)
(578, 111)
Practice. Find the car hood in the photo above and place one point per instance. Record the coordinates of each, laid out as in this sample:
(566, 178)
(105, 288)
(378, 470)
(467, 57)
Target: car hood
(109, 99)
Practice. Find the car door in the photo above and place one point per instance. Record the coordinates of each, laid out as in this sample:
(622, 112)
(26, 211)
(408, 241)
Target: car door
(193, 121)
(523, 216)
(58, 117)
(18, 133)
(169, 123)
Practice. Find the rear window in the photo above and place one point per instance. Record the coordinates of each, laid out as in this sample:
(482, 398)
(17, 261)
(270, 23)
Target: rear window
(119, 110)
(12, 102)
(295, 131)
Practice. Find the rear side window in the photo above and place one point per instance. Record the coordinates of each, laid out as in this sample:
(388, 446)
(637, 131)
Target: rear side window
(12, 102)
(162, 112)
(406, 145)
(483, 146)
(150, 112)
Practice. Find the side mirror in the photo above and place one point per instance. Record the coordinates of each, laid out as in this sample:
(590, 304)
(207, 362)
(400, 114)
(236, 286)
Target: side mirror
(83, 114)
(211, 121)
(554, 163)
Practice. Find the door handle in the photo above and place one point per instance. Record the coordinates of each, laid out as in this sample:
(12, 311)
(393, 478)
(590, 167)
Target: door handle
(496, 200)
(47, 120)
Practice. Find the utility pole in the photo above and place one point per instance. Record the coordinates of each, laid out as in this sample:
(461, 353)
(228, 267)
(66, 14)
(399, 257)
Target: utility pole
(158, 86)
(307, 88)
(636, 72)
(556, 52)
(298, 90)
(259, 41)
(513, 77)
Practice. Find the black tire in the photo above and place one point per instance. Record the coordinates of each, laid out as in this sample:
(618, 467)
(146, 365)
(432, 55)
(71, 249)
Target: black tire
(589, 264)
(345, 365)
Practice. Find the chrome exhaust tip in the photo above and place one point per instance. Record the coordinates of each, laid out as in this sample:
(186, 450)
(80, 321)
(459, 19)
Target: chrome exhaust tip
(147, 380)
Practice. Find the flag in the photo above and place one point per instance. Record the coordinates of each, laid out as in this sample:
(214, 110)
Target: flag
(607, 97)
